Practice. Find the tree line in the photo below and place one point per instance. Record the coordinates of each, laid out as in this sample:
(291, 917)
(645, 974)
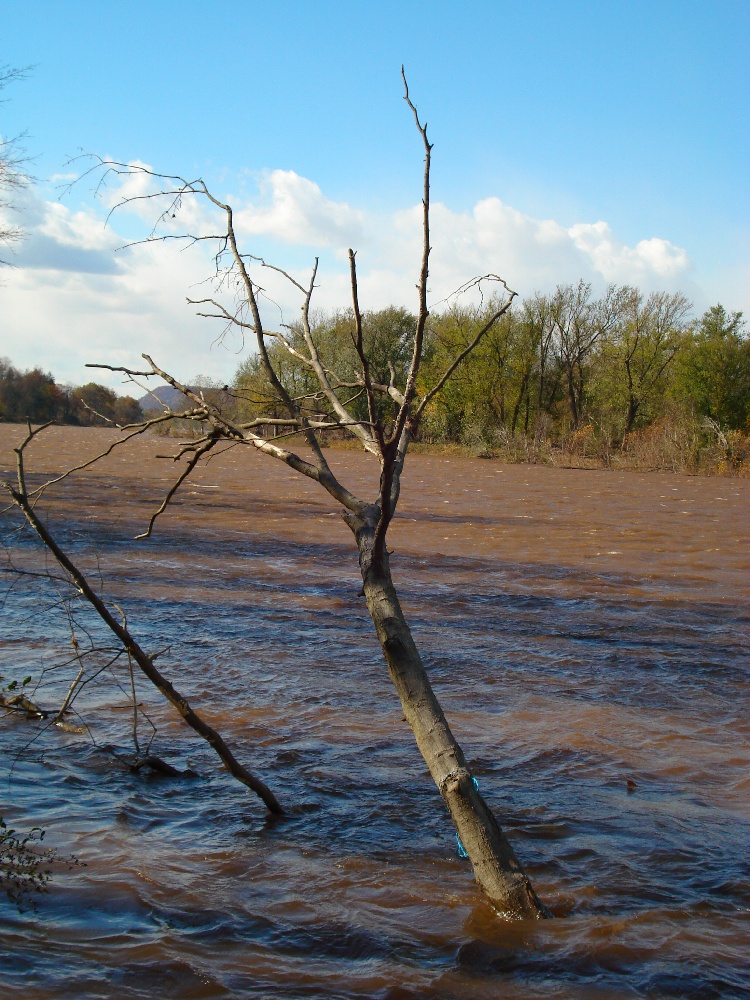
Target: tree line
(625, 375)
(565, 372)
(35, 395)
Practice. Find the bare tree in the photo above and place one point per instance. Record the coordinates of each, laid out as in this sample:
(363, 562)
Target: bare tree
(385, 432)
(579, 325)
(13, 163)
(647, 337)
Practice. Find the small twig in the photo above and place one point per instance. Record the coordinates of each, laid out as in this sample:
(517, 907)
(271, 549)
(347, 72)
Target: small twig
(134, 702)
(74, 685)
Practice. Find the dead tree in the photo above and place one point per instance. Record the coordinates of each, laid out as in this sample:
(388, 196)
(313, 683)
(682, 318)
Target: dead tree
(76, 580)
(497, 870)
(13, 164)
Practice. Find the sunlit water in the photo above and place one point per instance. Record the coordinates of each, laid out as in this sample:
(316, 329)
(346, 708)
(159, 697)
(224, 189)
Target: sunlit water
(591, 657)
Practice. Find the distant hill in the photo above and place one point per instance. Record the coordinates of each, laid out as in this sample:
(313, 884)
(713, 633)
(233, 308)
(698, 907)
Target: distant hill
(178, 402)
(167, 395)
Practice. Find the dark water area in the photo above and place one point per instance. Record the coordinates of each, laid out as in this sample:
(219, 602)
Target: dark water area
(587, 634)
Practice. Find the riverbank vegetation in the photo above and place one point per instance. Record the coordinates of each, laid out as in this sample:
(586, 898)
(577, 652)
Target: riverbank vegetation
(625, 380)
(36, 395)
(565, 379)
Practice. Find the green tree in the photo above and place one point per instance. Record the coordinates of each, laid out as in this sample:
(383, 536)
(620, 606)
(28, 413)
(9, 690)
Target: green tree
(385, 335)
(456, 407)
(633, 363)
(713, 371)
(95, 404)
(580, 324)
(539, 385)
(127, 410)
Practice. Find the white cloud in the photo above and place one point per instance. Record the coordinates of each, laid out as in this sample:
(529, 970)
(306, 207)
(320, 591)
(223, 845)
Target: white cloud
(537, 254)
(295, 210)
(72, 299)
(622, 264)
(83, 230)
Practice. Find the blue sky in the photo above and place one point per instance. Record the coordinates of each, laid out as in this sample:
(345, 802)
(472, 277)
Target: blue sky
(601, 140)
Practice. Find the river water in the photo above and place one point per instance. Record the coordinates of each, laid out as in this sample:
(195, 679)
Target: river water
(587, 634)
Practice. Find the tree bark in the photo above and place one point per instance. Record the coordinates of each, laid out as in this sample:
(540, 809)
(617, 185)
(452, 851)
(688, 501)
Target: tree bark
(574, 413)
(498, 872)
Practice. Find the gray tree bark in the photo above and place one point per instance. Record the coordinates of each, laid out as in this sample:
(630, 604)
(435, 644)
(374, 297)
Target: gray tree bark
(498, 871)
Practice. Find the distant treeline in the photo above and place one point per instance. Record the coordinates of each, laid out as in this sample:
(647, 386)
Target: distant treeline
(626, 378)
(35, 395)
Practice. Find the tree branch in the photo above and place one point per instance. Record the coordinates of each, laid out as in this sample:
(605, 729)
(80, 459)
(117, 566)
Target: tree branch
(467, 350)
(144, 661)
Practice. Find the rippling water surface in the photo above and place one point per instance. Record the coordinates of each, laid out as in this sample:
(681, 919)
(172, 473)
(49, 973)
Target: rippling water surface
(587, 634)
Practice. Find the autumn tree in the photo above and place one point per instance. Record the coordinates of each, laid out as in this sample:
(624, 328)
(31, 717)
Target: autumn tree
(30, 395)
(97, 405)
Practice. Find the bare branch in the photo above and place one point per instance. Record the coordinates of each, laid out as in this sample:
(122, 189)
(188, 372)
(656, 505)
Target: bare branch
(225, 427)
(139, 429)
(467, 350)
(144, 661)
(307, 292)
(222, 314)
(389, 390)
(359, 429)
(391, 447)
(411, 380)
(199, 453)
(364, 361)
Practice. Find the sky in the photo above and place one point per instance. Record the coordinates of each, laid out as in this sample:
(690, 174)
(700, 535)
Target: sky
(608, 141)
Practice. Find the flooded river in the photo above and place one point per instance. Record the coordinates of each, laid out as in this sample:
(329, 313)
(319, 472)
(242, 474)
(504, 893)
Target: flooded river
(587, 634)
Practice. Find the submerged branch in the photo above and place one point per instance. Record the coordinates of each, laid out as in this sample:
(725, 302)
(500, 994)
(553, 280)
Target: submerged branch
(144, 661)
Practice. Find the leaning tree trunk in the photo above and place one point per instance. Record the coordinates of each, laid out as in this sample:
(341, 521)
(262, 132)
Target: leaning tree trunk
(497, 870)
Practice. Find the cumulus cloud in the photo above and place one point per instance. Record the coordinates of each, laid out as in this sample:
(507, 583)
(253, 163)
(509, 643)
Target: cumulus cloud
(72, 298)
(293, 209)
(58, 239)
(619, 263)
(537, 254)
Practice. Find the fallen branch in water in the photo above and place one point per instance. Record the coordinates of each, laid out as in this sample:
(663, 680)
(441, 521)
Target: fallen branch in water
(20, 703)
(132, 647)
(157, 764)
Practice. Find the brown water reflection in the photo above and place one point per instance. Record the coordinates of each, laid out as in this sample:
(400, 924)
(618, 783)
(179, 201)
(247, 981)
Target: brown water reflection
(583, 629)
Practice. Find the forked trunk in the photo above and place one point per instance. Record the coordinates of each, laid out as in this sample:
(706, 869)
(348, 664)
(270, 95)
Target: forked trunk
(497, 870)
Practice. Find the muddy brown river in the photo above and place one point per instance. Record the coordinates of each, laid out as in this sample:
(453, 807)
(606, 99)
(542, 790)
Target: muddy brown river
(587, 634)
